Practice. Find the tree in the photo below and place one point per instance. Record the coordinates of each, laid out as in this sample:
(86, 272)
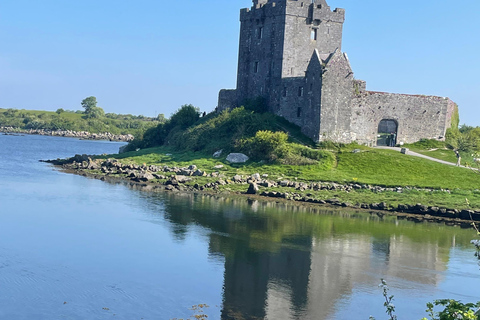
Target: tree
(91, 109)
(466, 141)
(89, 103)
(95, 113)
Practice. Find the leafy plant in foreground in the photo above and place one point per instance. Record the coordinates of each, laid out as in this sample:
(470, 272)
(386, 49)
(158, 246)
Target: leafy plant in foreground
(453, 310)
(388, 304)
(475, 242)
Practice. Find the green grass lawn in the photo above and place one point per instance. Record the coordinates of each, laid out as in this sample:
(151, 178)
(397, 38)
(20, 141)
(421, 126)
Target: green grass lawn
(373, 166)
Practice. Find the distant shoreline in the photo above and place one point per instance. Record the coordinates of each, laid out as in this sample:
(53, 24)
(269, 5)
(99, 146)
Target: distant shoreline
(83, 135)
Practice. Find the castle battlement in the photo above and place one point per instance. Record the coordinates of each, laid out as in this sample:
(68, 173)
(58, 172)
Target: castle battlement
(315, 12)
(261, 10)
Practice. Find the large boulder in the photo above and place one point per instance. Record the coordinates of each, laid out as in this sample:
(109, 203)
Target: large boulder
(237, 158)
(143, 177)
(252, 188)
(256, 177)
(199, 173)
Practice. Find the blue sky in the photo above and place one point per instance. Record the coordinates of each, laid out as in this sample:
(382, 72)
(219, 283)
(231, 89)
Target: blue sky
(152, 56)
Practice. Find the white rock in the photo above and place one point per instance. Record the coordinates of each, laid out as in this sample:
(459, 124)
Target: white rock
(237, 158)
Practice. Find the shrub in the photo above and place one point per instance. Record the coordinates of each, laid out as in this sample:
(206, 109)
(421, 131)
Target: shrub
(221, 131)
(266, 145)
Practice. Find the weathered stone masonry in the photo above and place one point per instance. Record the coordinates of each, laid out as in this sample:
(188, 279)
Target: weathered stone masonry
(290, 54)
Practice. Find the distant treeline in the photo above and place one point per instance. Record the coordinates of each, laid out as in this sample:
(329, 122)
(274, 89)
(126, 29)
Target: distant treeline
(93, 120)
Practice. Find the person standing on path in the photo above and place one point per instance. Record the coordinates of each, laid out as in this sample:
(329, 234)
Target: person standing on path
(393, 138)
(459, 158)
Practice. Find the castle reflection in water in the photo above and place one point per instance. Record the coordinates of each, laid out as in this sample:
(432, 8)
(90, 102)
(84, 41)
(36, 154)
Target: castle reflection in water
(284, 261)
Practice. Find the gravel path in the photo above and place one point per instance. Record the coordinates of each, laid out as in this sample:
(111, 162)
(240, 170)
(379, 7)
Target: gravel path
(415, 154)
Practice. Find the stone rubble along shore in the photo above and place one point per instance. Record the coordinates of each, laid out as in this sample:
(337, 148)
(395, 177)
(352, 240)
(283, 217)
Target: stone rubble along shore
(173, 178)
(85, 135)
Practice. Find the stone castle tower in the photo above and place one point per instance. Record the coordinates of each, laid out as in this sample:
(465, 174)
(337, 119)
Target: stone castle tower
(290, 54)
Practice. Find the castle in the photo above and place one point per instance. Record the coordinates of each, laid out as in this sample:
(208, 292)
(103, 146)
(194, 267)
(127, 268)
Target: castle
(290, 55)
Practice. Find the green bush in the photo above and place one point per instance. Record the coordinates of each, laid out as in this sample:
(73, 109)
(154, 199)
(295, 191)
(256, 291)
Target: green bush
(265, 145)
(221, 131)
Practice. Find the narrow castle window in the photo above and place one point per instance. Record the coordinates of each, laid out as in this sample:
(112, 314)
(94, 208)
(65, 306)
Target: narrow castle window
(284, 91)
(299, 112)
(313, 34)
(300, 91)
(255, 67)
(260, 33)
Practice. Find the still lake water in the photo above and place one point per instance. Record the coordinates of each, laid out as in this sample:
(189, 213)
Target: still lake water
(77, 248)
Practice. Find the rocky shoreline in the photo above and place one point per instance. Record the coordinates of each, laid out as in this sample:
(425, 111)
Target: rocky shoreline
(184, 179)
(84, 135)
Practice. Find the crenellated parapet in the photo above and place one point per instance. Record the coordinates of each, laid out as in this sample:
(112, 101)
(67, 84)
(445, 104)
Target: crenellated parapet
(262, 9)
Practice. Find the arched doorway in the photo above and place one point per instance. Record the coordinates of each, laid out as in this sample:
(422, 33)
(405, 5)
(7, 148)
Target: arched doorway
(387, 133)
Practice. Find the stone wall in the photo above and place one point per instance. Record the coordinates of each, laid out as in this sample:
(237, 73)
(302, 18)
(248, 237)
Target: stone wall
(260, 51)
(227, 99)
(309, 26)
(418, 117)
(311, 111)
(337, 94)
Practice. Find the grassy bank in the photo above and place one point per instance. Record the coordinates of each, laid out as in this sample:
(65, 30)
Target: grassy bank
(421, 181)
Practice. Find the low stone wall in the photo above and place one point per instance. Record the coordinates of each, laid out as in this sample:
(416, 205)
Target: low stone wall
(71, 134)
(417, 116)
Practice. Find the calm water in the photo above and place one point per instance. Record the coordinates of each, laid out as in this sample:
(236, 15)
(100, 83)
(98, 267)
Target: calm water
(78, 248)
